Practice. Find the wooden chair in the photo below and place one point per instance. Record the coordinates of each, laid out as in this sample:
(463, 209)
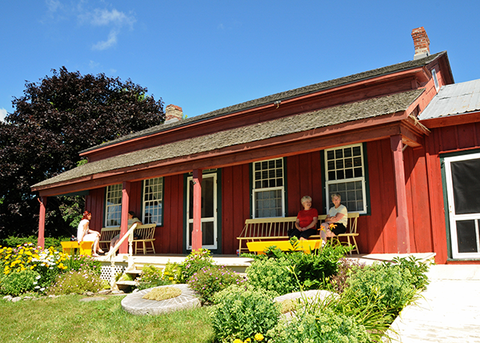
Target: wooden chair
(144, 234)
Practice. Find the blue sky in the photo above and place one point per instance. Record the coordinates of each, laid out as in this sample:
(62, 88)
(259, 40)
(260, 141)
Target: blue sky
(206, 55)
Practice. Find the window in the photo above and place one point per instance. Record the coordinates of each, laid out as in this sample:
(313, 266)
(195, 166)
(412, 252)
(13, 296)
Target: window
(435, 79)
(153, 201)
(114, 205)
(345, 174)
(268, 189)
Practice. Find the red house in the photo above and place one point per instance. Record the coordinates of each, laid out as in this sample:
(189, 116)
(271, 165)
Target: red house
(364, 136)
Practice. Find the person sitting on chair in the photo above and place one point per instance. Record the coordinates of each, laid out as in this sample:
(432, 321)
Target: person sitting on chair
(306, 222)
(337, 219)
(132, 219)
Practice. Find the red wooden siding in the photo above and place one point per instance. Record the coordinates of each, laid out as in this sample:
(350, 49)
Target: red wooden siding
(442, 140)
(419, 213)
(304, 177)
(95, 203)
(169, 237)
(235, 188)
(374, 236)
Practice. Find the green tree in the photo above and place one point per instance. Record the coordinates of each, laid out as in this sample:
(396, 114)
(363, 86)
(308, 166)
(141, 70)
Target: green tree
(52, 122)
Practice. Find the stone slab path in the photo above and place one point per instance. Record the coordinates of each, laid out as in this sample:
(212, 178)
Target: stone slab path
(449, 311)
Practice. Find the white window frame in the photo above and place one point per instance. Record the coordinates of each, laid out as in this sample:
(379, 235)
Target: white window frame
(113, 205)
(152, 192)
(345, 180)
(256, 190)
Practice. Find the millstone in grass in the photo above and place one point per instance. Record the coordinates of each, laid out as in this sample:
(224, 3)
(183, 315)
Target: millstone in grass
(162, 293)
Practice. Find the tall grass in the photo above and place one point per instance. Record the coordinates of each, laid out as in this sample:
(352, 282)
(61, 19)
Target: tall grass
(67, 319)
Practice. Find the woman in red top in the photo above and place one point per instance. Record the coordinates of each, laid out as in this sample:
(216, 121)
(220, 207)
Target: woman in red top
(306, 224)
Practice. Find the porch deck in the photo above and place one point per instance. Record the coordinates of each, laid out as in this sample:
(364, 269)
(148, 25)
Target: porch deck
(240, 264)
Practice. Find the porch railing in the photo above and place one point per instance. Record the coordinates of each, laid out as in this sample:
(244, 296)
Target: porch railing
(111, 254)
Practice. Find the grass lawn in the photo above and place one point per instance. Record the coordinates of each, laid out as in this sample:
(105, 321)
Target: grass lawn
(66, 319)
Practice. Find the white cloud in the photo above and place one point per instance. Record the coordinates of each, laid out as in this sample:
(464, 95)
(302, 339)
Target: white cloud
(3, 113)
(114, 19)
(111, 41)
(104, 17)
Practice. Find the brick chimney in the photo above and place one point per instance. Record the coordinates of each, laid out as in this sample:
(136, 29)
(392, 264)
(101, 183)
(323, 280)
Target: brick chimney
(173, 114)
(421, 43)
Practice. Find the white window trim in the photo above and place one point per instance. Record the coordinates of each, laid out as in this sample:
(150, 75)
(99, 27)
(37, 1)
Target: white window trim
(146, 201)
(107, 206)
(255, 190)
(354, 179)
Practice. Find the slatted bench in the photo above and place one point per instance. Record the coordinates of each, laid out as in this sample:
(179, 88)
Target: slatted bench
(143, 235)
(276, 229)
(85, 247)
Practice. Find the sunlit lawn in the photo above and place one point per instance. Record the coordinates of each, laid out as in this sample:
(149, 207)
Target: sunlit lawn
(66, 319)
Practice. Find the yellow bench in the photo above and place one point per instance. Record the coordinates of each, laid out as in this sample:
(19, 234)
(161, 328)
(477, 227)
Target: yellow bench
(85, 247)
(305, 245)
(276, 229)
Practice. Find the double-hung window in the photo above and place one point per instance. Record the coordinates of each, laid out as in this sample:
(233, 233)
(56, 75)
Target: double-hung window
(345, 174)
(268, 189)
(113, 210)
(153, 201)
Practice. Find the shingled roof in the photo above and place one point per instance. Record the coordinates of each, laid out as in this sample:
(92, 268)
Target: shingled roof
(345, 113)
(280, 97)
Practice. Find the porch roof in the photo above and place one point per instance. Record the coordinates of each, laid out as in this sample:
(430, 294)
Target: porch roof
(282, 96)
(208, 144)
(451, 100)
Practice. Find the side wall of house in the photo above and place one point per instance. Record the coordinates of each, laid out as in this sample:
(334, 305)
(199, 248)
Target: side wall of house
(447, 139)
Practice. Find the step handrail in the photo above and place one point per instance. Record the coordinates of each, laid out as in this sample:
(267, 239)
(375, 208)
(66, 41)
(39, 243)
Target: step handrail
(111, 254)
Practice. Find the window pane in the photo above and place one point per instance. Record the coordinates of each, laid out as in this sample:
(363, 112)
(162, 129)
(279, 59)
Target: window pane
(152, 205)
(466, 235)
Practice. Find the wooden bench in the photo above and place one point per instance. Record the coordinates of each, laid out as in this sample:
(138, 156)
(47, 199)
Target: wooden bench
(306, 245)
(85, 247)
(275, 229)
(143, 235)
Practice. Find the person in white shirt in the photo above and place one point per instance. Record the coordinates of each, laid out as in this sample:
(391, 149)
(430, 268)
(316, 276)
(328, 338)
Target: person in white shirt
(85, 234)
(337, 219)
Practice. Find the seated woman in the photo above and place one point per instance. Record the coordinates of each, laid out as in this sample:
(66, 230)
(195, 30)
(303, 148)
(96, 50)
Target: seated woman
(85, 234)
(132, 219)
(338, 216)
(306, 223)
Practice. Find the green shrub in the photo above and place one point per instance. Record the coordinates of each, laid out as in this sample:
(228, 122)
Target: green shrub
(321, 326)
(77, 282)
(274, 270)
(418, 270)
(19, 282)
(195, 261)
(47, 263)
(272, 274)
(210, 280)
(83, 262)
(346, 268)
(152, 277)
(241, 312)
(386, 286)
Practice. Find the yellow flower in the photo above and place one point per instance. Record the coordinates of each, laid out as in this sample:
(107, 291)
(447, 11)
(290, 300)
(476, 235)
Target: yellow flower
(259, 337)
(237, 341)
(166, 273)
(170, 278)
(247, 340)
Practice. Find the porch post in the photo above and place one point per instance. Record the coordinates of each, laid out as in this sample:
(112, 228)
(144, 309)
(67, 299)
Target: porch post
(41, 221)
(403, 233)
(197, 210)
(124, 219)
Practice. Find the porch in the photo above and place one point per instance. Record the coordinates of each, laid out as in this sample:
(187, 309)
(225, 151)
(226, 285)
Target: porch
(233, 262)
